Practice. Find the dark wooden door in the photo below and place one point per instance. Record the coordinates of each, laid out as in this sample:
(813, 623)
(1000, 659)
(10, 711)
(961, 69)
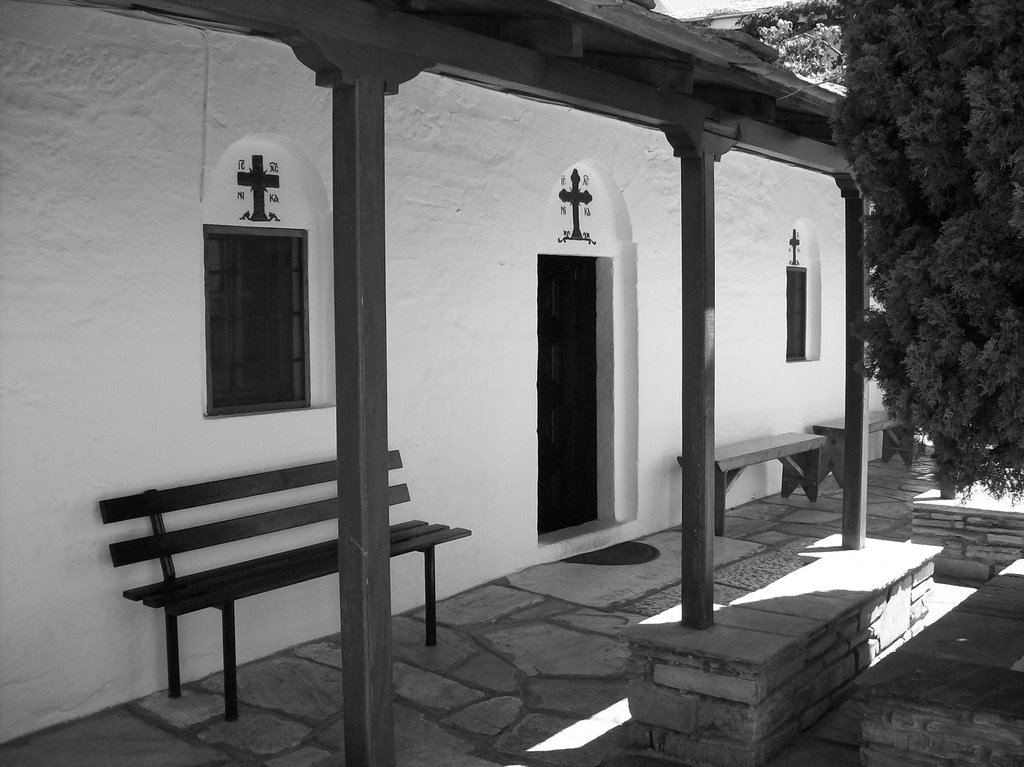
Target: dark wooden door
(566, 391)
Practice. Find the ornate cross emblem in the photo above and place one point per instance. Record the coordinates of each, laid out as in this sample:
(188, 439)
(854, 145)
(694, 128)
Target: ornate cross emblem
(794, 243)
(259, 181)
(575, 197)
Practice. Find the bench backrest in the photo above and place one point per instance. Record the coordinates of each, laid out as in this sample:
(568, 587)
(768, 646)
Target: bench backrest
(153, 504)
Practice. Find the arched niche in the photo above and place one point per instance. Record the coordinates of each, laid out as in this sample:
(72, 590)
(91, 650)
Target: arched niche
(809, 256)
(295, 199)
(585, 215)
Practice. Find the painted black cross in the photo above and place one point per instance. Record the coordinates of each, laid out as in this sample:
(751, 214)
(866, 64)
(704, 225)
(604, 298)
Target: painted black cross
(259, 182)
(576, 198)
(794, 243)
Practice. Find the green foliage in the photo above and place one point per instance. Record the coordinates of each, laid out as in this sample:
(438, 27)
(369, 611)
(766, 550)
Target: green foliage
(934, 122)
(807, 36)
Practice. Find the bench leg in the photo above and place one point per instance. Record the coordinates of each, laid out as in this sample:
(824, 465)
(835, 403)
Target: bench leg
(837, 445)
(430, 596)
(230, 672)
(898, 440)
(812, 470)
(173, 667)
(801, 470)
(721, 485)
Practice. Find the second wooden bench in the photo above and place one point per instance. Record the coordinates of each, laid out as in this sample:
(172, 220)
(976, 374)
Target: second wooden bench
(897, 439)
(800, 455)
(220, 587)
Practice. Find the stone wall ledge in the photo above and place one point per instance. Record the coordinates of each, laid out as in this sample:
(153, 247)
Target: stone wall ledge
(775, 660)
(954, 691)
(979, 534)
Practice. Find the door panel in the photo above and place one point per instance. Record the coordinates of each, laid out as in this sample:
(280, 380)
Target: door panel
(566, 392)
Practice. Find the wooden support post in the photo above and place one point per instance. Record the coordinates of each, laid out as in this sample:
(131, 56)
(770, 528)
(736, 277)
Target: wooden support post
(361, 369)
(697, 153)
(855, 454)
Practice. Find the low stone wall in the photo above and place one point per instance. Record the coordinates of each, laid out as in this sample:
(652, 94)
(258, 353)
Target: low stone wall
(899, 733)
(776, 660)
(953, 695)
(978, 538)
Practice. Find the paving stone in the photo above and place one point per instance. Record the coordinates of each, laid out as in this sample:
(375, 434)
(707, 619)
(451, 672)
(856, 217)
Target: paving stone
(113, 738)
(740, 645)
(599, 621)
(605, 586)
(811, 752)
(291, 685)
(559, 741)
(418, 740)
(770, 538)
(575, 697)
(981, 640)
(431, 690)
(419, 755)
(484, 604)
(761, 569)
(556, 651)
(407, 644)
(184, 712)
(326, 652)
(308, 757)
(545, 609)
(744, 616)
(670, 598)
(764, 509)
(333, 735)
(814, 517)
(824, 503)
(258, 732)
(489, 672)
(737, 527)
(805, 530)
(488, 717)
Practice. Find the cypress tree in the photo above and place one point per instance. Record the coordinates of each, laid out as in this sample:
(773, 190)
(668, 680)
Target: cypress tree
(934, 124)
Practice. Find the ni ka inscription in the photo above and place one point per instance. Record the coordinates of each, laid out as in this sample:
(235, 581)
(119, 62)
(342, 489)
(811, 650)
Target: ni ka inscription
(259, 181)
(576, 198)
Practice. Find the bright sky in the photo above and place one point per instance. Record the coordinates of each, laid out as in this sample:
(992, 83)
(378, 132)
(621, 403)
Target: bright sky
(688, 9)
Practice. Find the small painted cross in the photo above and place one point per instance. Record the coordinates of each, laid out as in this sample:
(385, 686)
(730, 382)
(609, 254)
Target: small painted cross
(259, 181)
(575, 198)
(794, 242)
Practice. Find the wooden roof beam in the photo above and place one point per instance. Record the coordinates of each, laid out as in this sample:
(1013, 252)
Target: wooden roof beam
(758, 106)
(550, 37)
(663, 74)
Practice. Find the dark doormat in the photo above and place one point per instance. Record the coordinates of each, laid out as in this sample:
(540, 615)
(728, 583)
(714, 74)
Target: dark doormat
(627, 553)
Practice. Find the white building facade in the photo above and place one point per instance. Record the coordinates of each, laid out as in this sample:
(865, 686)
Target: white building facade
(121, 137)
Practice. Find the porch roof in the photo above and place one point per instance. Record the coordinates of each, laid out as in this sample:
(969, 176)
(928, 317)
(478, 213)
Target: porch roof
(609, 57)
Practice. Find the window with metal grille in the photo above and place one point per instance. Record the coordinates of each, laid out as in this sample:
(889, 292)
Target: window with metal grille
(796, 313)
(257, 329)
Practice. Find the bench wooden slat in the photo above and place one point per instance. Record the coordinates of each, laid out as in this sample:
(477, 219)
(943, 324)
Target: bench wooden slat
(227, 577)
(155, 594)
(153, 502)
(209, 588)
(431, 539)
(877, 421)
(236, 529)
(763, 449)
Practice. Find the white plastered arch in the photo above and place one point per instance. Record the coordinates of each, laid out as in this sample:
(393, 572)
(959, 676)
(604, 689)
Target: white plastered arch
(809, 255)
(610, 239)
(301, 203)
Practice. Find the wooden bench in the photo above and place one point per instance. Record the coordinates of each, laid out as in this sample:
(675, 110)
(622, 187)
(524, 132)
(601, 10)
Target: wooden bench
(800, 455)
(219, 587)
(896, 439)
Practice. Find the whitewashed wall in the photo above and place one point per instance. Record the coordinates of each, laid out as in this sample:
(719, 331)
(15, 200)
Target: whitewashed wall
(109, 131)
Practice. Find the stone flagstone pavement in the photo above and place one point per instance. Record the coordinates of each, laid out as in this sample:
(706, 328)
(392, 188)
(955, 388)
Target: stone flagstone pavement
(529, 669)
